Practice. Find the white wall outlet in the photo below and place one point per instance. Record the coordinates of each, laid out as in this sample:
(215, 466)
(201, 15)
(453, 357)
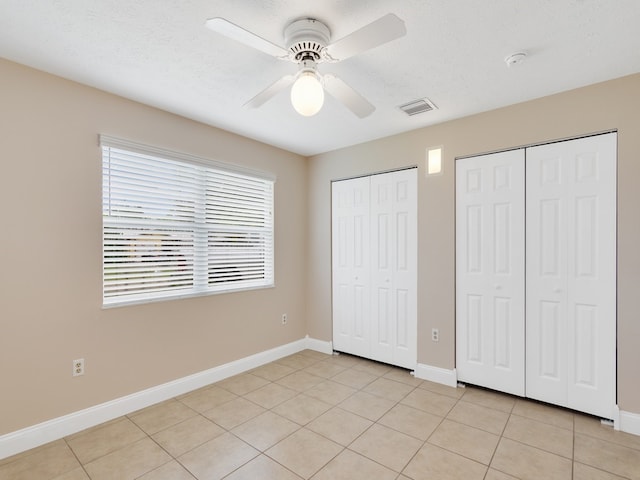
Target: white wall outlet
(435, 335)
(78, 367)
(284, 318)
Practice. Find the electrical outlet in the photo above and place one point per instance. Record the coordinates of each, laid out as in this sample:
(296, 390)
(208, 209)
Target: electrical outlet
(435, 335)
(284, 318)
(78, 367)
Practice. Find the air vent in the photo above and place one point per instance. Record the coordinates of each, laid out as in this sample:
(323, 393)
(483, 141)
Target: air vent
(418, 106)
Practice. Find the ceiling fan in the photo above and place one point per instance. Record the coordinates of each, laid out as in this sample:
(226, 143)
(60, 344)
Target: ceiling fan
(307, 44)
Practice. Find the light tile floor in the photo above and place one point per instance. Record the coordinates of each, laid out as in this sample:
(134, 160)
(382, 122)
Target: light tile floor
(322, 417)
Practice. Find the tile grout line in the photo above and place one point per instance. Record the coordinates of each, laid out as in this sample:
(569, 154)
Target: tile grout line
(573, 447)
(76, 457)
(501, 436)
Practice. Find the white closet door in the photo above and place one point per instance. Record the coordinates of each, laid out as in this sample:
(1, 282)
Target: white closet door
(374, 261)
(490, 271)
(571, 274)
(351, 266)
(394, 267)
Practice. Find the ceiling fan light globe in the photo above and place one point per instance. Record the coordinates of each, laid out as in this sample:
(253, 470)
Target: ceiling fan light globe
(307, 94)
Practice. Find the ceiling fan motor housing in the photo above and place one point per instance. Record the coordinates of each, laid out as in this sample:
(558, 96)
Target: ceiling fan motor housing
(306, 39)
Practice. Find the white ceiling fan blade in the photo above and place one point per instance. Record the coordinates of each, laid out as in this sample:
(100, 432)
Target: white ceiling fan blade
(270, 92)
(239, 34)
(381, 31)
(348, 96)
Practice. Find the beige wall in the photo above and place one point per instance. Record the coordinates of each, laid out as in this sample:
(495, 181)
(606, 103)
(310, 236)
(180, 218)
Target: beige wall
(50, 241)
(596, 108)
(50, 256)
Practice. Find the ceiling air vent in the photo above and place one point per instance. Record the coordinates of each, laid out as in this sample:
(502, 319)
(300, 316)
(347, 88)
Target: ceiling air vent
(418, 106)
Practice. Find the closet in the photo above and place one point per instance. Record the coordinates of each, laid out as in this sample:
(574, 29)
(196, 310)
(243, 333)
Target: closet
(536, 272)
(374, 267)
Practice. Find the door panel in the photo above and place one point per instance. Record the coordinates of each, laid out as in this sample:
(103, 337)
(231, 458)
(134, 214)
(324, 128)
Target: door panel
(405, 241)
(382, 268)
(394, 267)
(351, 266)
(490, 271)
(546, 330)
(404, 341)
(502, 320)
(474, 239)
(552, 366)
(571, 265)
(592, 277)
(502, 241)
(474, 331)
(585, 334)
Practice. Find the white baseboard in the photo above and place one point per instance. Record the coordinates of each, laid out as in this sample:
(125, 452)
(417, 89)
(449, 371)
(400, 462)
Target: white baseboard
(54, 429)
(319, 345)
(436, 374)
(628, 422)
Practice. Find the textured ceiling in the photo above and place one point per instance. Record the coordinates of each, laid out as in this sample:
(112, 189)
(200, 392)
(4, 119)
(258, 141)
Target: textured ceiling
(159, 52)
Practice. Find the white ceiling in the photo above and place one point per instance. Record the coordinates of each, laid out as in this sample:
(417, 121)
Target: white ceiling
(159, 52)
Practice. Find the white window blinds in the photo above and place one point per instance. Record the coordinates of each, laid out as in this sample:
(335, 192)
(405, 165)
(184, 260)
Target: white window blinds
(175, 225)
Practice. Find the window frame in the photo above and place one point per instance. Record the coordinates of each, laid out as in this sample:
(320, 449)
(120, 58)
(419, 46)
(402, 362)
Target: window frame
(200, 259)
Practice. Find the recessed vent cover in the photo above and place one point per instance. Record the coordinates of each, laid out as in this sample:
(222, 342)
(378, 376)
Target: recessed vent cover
(418, 106)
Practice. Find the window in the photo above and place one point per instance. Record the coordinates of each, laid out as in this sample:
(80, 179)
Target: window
(176, 225)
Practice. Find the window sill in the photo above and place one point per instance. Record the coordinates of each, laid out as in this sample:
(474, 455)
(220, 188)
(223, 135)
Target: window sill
(179, 296)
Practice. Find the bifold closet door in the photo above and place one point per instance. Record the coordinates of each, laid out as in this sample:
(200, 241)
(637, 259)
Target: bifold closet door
(351, 266)
(374, 262)
(490, 271)
(394, 267)
(571, 274)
